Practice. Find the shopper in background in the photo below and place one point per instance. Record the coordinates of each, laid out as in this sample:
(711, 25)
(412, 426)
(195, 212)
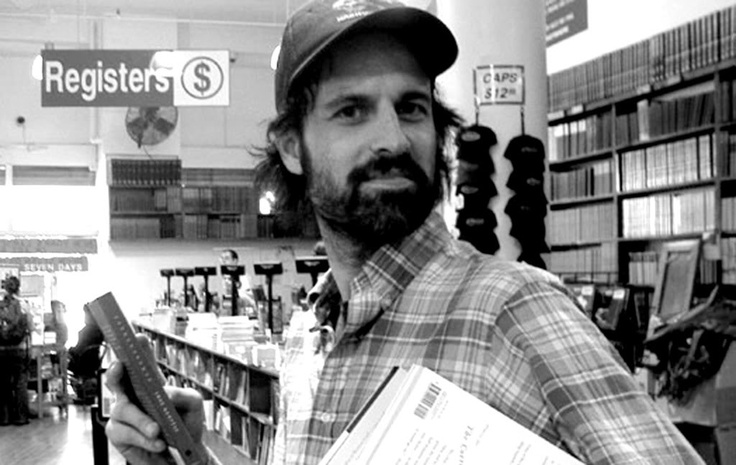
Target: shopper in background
(85, 360)
(246, 302)
(360, 133)
(56, 322)
(14, 355)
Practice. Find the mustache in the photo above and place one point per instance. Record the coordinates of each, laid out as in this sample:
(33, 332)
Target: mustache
(402, 164)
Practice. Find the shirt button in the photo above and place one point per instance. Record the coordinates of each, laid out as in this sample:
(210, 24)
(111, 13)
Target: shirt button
(327, 417)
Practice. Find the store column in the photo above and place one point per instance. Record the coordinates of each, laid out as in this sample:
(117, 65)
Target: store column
(498, 32)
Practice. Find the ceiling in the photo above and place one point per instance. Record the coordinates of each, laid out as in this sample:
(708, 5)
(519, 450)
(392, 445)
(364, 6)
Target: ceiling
(207, 11)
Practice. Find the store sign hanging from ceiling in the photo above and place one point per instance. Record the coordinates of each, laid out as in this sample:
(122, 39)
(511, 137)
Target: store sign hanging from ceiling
(45, 264)
(564, 19)
(125, 78)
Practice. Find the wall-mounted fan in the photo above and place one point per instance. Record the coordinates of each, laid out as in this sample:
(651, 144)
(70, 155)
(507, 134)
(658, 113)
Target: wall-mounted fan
(150, 125)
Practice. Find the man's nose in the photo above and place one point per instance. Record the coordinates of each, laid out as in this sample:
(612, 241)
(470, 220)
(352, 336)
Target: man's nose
(389, 135)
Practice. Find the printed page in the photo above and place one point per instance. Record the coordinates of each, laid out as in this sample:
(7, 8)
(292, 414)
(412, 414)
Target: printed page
(430, 420)
(443, 424)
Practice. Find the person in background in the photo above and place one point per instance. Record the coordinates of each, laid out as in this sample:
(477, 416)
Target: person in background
(319, 249)
(56, 322)
(14, 358)
(246, 302)
(360, 134)
(85, 360)
(192, 298)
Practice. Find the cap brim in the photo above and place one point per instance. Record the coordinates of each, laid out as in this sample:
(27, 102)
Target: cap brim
(432, 42)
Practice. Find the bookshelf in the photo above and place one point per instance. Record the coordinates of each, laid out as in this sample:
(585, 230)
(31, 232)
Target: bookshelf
(240, 400)
(642, 153)
(158, 199)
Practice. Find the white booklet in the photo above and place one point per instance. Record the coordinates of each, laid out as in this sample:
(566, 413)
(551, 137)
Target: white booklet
(418, 417)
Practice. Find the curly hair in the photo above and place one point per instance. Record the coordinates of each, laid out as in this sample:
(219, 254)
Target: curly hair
(12, 285)
(290, 189)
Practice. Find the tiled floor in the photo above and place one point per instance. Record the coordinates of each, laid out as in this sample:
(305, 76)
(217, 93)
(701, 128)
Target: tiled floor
(56, 439)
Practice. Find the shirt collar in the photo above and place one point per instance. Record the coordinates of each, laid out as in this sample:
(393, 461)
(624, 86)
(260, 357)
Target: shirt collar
(387, 273)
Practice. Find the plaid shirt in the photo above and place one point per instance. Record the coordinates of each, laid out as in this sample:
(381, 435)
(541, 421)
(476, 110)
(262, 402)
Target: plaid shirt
(508, 333)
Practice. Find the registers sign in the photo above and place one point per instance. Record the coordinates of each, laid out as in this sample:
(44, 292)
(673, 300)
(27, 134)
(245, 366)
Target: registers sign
(123, 78)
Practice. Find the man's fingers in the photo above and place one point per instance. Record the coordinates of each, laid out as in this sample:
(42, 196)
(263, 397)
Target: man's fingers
(126, 413)
(126, 437)
(183, 399)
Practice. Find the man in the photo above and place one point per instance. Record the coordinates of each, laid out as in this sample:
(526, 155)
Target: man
(359, 133)
(230, 257)
(14, 340)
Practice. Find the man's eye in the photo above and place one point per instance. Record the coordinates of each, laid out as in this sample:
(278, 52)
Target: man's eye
(350, 112)
(412, 110)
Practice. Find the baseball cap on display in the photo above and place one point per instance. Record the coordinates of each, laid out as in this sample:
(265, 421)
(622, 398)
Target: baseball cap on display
(315, 27)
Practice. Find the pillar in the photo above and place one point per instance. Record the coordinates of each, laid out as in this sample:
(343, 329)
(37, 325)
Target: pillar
(498, 32)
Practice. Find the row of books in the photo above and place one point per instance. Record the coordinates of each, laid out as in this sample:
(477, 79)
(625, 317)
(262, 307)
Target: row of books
(580, 137)
(252, 438)
(729, 162)
(664, 116)
(246, 390)
(699, 43)
(187, 227)
(145, 200)
(593, 260)
(666, 214)
(728, 98)
(588, 181)
(240, 199)
(728, 214)
(643, 267)
(589, 223)
(669, 164)
(137, 172)
(728, 252)
(139, 228)
(219, 227)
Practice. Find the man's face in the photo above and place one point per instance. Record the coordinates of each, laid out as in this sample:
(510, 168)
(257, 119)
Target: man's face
(227, 259)
(368, 147)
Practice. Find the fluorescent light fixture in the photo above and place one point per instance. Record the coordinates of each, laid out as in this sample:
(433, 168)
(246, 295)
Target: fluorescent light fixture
(275, 57)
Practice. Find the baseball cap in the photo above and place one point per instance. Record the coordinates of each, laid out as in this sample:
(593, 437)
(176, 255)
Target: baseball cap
(319, 24)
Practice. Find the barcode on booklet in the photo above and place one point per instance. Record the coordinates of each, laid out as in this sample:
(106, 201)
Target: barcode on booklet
(428, 400)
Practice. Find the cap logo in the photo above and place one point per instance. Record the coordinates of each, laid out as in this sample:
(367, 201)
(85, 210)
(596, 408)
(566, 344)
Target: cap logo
(358, 8)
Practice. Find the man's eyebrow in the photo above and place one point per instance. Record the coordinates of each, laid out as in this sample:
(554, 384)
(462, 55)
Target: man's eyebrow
(417, 95)
(357, 98)
(343, 99)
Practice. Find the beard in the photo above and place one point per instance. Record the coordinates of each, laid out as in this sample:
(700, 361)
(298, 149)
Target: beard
(372, 218)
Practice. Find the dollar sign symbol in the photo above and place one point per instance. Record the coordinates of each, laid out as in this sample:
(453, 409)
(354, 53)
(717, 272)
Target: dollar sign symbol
(200, 72)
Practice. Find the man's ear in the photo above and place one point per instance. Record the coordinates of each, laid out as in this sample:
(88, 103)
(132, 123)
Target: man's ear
(290, 150)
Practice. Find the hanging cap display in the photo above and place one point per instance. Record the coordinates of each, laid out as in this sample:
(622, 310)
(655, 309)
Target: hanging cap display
(474, 144)
(315, 27)
(476, 196)
(524, 149)
(477, 229)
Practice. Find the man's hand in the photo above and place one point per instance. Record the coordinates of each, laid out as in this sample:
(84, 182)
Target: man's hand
(136, 435)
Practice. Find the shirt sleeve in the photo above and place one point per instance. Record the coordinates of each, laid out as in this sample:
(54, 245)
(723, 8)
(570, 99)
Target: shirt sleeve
(598, 409)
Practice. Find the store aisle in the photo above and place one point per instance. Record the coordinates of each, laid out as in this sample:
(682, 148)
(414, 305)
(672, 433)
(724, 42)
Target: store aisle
(52, 440)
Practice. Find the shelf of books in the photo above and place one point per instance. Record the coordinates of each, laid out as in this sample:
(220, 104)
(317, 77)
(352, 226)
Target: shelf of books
(157, 199)
(642, 151)
(241, 399)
